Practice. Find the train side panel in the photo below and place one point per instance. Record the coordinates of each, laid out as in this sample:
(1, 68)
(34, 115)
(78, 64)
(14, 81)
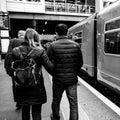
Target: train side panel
(109, 47)
(87, 42)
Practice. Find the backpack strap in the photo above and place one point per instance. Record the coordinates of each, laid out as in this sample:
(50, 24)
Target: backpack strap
(29, 53)
(21, 54)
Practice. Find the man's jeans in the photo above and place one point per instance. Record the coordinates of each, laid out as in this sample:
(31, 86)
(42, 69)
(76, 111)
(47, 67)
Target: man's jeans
(71, 92)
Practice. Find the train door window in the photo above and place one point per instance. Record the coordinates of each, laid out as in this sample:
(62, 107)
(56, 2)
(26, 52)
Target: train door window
(112, 37)
(78, 37)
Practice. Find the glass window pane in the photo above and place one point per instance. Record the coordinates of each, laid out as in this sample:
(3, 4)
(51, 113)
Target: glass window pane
(77, 37)
(112, 43)
(79, 34)
(113, 25)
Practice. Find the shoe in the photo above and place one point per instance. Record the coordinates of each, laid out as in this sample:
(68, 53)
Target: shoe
(18, 107)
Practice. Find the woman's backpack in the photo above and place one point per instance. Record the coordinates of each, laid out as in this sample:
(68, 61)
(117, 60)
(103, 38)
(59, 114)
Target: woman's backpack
(24, 70)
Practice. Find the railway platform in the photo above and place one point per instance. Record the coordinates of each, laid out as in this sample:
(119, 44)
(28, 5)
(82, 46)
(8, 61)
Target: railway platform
(95, 105)
(90, 106)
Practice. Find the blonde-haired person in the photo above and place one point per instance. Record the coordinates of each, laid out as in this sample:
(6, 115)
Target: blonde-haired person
(32, 98)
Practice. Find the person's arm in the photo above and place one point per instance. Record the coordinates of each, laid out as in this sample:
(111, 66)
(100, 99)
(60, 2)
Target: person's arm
(47, 63)
(50, 52)
(81, 72)
(80, 59)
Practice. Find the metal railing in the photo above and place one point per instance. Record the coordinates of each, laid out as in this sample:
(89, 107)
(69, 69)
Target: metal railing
(27, 0)
(68, 8)
(61, 7)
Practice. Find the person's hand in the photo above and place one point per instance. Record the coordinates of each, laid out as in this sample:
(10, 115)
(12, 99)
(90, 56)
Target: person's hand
(40, 47)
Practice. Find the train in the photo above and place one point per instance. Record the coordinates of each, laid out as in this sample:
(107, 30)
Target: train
(99, 38)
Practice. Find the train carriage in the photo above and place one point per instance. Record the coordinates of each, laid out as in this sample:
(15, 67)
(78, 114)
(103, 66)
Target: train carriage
(86, 28)
(108, 27)
(100, 45)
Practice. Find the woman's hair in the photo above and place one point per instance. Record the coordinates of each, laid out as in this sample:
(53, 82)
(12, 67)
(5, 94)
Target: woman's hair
(32, 37)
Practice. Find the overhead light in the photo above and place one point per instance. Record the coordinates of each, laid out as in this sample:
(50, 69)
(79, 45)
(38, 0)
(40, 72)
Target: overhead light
(45, 22)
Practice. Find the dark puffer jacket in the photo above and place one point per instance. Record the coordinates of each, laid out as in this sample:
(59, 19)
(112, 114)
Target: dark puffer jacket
(35, 94)
(68, 60)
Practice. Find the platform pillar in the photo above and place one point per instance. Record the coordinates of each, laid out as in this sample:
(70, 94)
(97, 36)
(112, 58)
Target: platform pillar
(3, 5)
(98, 5)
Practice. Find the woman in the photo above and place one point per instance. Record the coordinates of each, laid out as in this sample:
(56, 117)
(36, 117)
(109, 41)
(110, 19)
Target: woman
(32, 97)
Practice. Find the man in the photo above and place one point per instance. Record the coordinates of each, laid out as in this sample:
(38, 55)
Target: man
(68, 60)
(15, 42)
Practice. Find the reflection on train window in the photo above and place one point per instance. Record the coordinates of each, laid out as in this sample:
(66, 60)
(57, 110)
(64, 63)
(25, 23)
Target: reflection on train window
(112, 43)
(78, 37)
(113, 25)
(79, 34)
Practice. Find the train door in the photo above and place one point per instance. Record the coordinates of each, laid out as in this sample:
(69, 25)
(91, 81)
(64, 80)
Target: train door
(88, 46)
(85, 31)
(109, 52)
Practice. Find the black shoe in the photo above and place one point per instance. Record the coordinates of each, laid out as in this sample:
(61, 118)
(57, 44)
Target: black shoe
(18, 107)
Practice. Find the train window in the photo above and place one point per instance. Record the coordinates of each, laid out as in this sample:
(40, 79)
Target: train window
(113, 25)
(79, 34)
(112, 43)
(78, 37)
